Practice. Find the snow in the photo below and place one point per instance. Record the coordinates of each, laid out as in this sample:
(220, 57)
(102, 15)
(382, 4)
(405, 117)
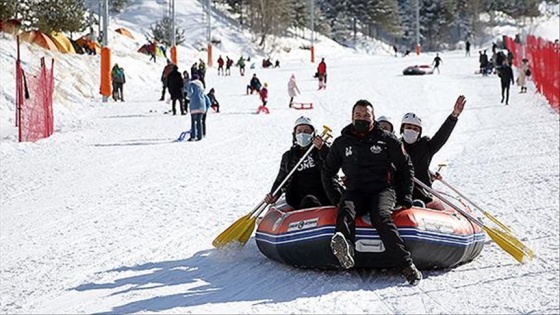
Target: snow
(110, 215)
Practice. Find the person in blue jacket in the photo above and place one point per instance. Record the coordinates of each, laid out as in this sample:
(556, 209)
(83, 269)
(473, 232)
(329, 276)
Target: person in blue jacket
(208, 103)
(198, 105)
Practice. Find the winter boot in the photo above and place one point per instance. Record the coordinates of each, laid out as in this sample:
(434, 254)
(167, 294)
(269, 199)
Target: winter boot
(412, 275)
(343, 250)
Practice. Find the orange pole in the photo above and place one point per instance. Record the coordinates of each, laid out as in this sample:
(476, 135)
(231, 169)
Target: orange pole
(105, 75)
(174, 55)
(418, 49)
(209, 55)
(312, 54)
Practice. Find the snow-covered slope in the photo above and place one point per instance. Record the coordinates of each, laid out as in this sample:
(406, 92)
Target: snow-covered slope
(110, 215)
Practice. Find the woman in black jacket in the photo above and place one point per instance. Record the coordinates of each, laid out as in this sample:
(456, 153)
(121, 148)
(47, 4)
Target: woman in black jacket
(422, 149)
(304, 189)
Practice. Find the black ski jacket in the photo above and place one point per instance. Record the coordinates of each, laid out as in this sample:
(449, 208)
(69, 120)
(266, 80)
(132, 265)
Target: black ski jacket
(306, 180)
(506, 75)
(423, 150)
(175, 84)
(367, 163)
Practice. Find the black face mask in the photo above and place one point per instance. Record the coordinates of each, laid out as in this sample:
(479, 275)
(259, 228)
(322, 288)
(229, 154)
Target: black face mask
(362, 126)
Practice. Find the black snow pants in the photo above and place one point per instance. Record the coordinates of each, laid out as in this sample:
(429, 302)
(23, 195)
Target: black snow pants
(380, 206)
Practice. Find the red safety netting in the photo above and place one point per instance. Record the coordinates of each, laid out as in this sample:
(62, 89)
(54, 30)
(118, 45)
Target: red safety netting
(544, 62)
(34, 95)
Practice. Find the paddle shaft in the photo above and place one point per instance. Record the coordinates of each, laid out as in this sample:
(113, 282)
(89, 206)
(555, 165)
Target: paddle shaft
(324, 134)
(443, 199)
(491, 217)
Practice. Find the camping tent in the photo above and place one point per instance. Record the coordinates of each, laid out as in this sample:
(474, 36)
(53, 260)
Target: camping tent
(62, 43)
(84, 40)
(77, 48)
(124, 31)
(10, 26)
(145, 49)
(38, 38)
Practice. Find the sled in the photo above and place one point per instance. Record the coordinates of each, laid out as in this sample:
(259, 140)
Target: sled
(263, 109)
(183, 135)
(300, 106)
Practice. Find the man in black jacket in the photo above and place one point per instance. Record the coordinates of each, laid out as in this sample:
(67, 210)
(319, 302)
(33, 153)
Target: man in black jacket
(422, 149)
(367, 155)
(175, 86)
(506, 78)
(304, 189)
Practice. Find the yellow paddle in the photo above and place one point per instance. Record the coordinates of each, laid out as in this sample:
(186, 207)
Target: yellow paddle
(240, 231)
(505, 240)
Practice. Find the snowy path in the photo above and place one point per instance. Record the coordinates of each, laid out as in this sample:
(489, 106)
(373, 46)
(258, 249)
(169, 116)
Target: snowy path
(113, 216)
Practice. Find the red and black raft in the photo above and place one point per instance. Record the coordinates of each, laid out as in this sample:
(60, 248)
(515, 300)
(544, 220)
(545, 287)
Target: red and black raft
(437, 237)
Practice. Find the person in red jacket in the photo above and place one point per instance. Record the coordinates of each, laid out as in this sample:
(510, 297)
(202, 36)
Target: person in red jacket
(263, 93)
(220, 65)
(322, 70)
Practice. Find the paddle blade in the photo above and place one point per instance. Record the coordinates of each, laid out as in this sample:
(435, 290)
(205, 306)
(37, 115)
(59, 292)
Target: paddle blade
(229, 234)
(506, 243)
(517, 243)
(246, 233)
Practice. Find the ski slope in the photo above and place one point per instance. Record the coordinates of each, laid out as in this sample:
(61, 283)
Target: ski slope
(111, 215)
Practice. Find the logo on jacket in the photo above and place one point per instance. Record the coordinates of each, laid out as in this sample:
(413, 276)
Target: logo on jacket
(309, 162)
(348, 151)
(375, 149)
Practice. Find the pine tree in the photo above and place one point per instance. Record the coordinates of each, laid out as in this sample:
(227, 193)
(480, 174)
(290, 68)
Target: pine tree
(161, 33)
(56, 15)
(8, 9)
(118, 6)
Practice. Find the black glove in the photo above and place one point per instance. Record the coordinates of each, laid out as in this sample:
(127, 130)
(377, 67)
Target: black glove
(405, 203)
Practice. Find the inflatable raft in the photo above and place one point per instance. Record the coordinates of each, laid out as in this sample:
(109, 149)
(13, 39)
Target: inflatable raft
(418, 70)
(437, 237)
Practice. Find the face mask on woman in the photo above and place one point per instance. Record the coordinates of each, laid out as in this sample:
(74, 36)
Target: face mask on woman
(304, 139)
(410, 136)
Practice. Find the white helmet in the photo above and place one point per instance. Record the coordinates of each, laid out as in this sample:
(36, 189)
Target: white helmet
(304, 121)
(412, 119)
(386, 119)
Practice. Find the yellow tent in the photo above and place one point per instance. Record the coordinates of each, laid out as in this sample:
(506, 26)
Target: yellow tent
(124, 31)
(40, 39)
(62, 43)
